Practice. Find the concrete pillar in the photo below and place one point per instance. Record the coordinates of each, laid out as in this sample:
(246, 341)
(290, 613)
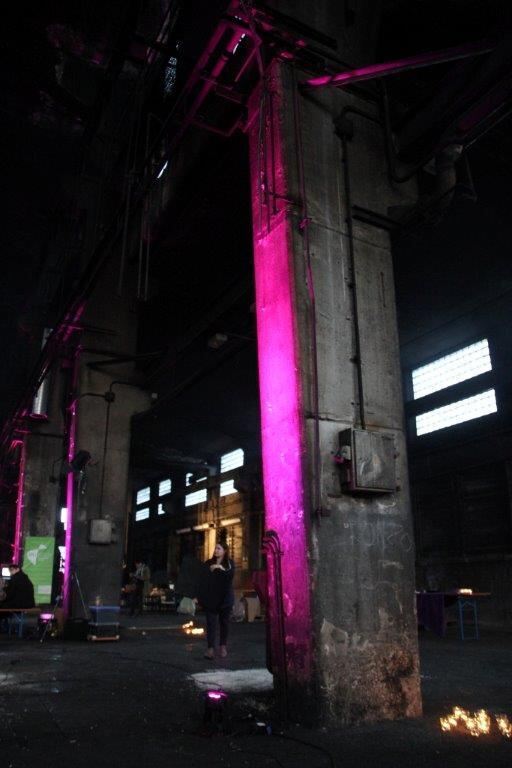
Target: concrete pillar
(348, 631)
(102, 427)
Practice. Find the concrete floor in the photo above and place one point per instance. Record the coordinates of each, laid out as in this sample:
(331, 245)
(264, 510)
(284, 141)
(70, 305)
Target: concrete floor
(133, 703)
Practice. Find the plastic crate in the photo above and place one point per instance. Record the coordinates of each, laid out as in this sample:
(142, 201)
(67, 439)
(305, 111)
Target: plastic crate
(104, 614)
(103, 631)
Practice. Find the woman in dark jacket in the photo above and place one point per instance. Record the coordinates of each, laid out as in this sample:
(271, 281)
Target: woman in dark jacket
(217, 598)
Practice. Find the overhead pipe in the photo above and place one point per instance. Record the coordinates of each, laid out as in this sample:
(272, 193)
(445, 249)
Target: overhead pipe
(372, 71)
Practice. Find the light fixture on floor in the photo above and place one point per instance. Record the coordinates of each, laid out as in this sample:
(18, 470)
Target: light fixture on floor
(214, 716)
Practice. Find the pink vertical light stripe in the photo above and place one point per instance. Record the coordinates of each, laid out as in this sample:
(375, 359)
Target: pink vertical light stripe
(283, 444)
(70, 497)
(70, 493)
(19, 503)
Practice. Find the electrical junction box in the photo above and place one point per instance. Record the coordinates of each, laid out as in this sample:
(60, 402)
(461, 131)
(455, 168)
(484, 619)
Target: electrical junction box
(100, 531)
(367, 461)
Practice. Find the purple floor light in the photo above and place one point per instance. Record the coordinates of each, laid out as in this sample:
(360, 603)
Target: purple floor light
(214, 717)
(216, 695)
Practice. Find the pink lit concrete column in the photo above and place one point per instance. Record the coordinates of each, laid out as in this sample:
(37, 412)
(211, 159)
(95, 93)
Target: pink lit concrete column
(282, 425)
(325, 301)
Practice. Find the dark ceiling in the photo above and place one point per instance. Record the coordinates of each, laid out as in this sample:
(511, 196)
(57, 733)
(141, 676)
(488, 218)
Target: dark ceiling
(201, 280)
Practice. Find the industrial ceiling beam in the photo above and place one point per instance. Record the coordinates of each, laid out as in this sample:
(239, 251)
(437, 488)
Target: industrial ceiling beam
(373, 71)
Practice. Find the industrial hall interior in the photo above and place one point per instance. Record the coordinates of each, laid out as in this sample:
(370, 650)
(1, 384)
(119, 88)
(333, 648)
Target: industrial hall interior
(255, 321)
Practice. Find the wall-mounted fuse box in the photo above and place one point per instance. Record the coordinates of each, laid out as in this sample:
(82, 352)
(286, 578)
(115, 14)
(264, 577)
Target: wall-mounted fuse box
(100, 531)
(367, 461)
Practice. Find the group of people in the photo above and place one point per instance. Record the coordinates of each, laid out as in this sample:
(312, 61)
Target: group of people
(214, 592)
(212, 587)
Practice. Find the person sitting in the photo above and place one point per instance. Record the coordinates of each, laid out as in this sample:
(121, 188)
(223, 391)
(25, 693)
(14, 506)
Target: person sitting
(19, 590)
(19, 593)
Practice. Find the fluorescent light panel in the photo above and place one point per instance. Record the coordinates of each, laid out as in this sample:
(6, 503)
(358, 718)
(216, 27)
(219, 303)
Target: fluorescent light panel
(197, 497)
(141, 514)
(232, 460)
(451, 369)
(143, 495)
(164, 487)
(456, 413)
(227, 488)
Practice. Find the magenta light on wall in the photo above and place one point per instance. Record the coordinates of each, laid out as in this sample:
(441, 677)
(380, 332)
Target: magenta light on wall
(282, 437)
(70, 497)
(70, 493)
(16, 554)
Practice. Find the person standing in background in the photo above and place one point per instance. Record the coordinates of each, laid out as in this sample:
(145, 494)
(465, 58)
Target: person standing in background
(217, 597)
(140, 579)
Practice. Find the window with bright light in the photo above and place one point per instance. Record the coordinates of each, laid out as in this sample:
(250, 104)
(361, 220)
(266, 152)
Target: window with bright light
(451, 369)
(232, 460)
(197, 497)
(143, 495)
(64, 517)
(141, 514)
(161, 510)
(227, 488)
(191, 479)
(456, 413)
(164, 487)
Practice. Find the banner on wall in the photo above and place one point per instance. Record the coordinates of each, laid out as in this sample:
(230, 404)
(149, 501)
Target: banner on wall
(38, 560)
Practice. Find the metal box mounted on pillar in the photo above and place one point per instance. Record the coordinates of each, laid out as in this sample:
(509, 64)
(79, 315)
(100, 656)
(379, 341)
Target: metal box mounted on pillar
(367, 461)
(100, 532)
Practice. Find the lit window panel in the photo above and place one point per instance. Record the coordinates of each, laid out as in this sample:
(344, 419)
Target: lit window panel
(143, 495)
(141, 514)
(227, 488)
(446, 371)
(192, 479)
(456, 413)
(232, 460)
(164, 487)
(197, 497)
(161, 510)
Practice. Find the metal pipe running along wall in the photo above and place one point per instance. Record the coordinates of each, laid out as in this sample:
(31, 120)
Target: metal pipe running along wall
(372, 71)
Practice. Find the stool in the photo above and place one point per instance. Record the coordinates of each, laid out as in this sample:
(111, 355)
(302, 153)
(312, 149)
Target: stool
(16, 621)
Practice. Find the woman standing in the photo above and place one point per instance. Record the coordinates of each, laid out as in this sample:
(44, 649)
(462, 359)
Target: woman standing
(217, 597)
